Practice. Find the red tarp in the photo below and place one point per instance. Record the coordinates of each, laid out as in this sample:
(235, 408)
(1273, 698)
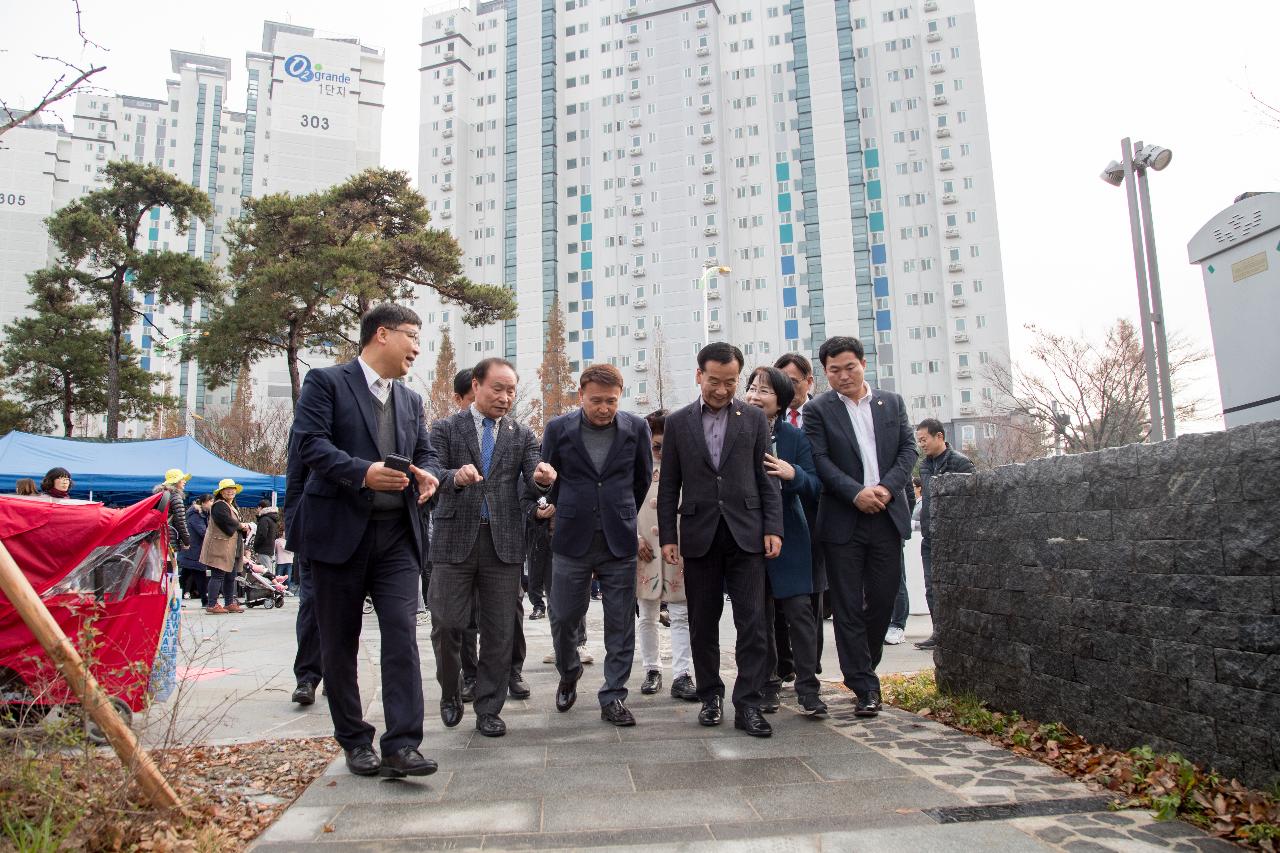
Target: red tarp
(98, 569)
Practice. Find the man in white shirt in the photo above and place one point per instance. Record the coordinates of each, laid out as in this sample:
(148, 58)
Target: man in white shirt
(864, 451)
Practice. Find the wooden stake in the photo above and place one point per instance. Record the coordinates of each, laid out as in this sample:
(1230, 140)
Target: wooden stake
(14, 584)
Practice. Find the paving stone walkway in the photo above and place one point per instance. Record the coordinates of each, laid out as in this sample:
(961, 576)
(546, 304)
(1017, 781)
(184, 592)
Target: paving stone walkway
(571, 781)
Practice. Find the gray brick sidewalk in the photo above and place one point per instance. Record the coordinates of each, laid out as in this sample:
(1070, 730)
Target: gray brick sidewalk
(570, 781)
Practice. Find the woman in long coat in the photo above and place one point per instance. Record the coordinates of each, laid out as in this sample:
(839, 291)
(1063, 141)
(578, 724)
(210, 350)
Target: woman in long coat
(789, 579)
(656, 582)
(223, 547)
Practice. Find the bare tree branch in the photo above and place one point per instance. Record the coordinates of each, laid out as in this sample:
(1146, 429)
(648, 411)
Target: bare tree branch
(60, 88)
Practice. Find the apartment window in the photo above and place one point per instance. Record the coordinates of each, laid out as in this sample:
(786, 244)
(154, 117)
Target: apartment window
(980, 321)
(917, 368)
(931, 331)
(977, 286)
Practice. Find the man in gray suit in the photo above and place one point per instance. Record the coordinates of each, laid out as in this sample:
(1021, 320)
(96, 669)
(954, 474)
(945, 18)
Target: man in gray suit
(477, 546)
(730, 514)
(864, 452)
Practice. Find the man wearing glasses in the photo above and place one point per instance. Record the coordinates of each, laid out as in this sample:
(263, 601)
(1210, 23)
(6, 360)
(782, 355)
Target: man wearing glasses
(356, 525)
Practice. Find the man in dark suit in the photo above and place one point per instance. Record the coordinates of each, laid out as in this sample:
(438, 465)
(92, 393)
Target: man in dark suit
(477, 548)
(605, 465)
(864, 452)
(730, 513)
(357, 527)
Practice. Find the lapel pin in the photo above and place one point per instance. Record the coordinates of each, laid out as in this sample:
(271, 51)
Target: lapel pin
(879, 402)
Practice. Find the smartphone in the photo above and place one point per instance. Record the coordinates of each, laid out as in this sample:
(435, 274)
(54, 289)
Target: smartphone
(397, 463)
(773, 448)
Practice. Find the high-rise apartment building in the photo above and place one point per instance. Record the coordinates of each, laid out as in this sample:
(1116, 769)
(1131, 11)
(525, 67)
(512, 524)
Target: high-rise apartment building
(833, 155)
(312, 118)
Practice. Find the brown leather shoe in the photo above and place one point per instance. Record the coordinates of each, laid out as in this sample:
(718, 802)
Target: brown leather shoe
(235, 607)
(217, 609)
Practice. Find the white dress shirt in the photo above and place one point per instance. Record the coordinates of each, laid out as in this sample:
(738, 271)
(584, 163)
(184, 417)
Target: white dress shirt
(864, 430)
(378, 387)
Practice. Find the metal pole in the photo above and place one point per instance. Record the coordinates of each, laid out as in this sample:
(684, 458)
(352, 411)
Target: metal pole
(706, 307)
(1144, 307)
(1157, 306)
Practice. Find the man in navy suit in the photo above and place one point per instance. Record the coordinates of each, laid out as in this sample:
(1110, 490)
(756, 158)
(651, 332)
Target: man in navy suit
(356, 525)
(605, 466)
(864, 453)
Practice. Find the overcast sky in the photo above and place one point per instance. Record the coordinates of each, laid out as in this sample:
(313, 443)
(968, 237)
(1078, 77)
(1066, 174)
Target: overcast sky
(1064, 83)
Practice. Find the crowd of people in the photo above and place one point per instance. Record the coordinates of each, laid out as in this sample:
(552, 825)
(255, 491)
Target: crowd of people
(786, 504)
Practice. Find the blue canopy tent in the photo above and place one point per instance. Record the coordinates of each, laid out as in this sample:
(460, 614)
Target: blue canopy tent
(122, 472)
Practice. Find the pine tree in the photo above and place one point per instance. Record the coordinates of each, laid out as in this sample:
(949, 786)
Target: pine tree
(555, 379)
(439, 402)
(98, 239)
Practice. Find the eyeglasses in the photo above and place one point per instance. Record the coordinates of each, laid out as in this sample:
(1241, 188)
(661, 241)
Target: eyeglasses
(413, 336)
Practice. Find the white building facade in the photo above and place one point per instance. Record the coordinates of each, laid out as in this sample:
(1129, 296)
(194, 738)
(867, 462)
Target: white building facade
(833, 155)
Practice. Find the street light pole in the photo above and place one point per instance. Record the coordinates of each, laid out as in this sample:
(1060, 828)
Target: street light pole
(1157, 304)
(706, 306)
(1144, 304)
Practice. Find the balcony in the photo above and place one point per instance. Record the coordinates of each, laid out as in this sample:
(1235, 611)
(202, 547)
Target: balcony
(713, 326)
(942, 132)
(448, 106)
(637, 241)
(638, 272)
(705, 109)
(633, 66)
(707, 139)
(931, 5)
(946, 166)
(640, 302)
(639, 334)
(704, 80)
(968, 410)
(446, 214)
(446, 160)
(642, 367)
(448, 81)
(631, 12)
(713, 293)
(637, 211)
(937, 69)
(964, 373)
(634, 94)
(955, 266)
(960, 338)
(446, 188)
(447, 133)
(633, 39)
(633, 122)
(710, 231)
(948, 198)
(710, 199)
(450, 30)
(703, 51)
(708, 169)
(958, 302)
(933, 37)
(636, 180)
(642, 399)
(952, 233)
(635, 151)
(940, 100)
(701, 23)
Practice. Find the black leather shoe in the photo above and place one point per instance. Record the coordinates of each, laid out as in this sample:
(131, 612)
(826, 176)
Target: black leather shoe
(652, 682)
(468, 690)
(712, 712)
(787, 677)
(683, 688)
(304, 693)
(813, 706)
(406, 762)
(868, 706)
(616, 712)
(751, 721)
(539, 612)
(451, 711)
(363, 761)
(928, 643)
(566, 694)
(518, 687)
(770, 703)
(491, 725)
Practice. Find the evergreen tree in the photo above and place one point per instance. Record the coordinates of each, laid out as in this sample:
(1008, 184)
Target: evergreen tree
(53, 360)
(555, 379)
(439, 401)
(97, 238)
(305, 268)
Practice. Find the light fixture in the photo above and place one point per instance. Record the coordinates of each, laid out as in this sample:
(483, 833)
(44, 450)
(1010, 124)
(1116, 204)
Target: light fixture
(1113, 174)
(1153, 157)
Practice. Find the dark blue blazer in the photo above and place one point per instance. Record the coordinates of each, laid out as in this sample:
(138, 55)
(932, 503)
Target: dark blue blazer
(197, 524)
(581, 493)
(791, 572)
(334, 436)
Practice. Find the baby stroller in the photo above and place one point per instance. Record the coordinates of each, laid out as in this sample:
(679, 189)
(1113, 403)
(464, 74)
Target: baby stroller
(258, 587)
(101, 573)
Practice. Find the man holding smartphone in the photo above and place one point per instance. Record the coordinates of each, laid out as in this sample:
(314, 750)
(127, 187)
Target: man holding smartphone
(356, 524)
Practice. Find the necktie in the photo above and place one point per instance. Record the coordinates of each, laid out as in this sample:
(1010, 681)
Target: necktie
(380, 388)
(486, 456)
(794, 415)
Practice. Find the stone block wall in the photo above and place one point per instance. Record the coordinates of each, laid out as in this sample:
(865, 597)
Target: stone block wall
(1132, 594)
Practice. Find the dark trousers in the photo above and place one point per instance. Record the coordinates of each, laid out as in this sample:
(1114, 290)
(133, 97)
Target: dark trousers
(455, 589)
(384, 567)
(797, 613)
(725, 566)
(469, 641)
(925, 557)
(220, 583)
(864, 575)
(539, 576)
(902, 603)
(195, 581)
(570, 597)
(307, 665)
(782, 661)
(820, 607)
